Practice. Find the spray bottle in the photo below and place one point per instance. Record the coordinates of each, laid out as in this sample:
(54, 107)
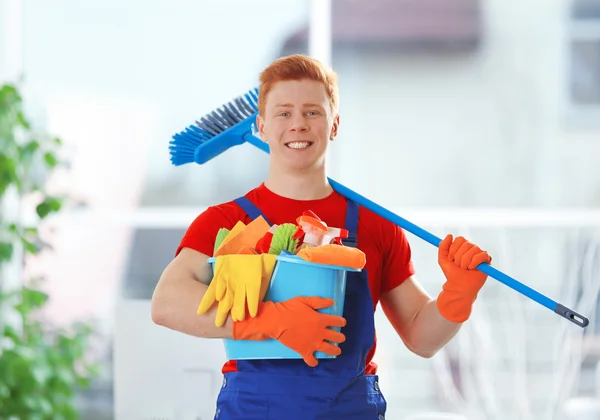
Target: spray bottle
(316, 231)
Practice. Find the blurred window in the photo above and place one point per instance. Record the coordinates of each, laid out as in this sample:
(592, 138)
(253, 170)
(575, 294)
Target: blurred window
(584, 70)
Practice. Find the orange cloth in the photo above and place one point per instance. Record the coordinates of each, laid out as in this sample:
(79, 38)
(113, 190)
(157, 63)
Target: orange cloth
(248, 250)
(239, 226)
(296, 324)
(458, 260)
(334, 254)
(246, 236)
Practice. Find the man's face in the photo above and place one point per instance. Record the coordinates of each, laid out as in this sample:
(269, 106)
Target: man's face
(298, 124)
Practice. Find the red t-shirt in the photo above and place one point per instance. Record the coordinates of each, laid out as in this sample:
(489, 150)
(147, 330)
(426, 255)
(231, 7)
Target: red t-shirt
(387, 250)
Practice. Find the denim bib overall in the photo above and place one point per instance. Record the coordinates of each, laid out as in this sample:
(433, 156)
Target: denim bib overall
(289, 389)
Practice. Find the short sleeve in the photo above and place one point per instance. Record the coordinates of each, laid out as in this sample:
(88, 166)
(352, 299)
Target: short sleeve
(202, 233)
(397, 259)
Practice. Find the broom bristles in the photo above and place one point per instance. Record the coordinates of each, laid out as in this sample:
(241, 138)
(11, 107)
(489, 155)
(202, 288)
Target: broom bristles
(184, 145)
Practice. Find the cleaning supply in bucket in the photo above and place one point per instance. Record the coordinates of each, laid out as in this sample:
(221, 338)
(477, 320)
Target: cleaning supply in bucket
(239, 279)
(246, 237)
(334, 254)
(221, 235)
(242, 270)
(316, 231)
(279, 319)
(279, 238)
(220, 241)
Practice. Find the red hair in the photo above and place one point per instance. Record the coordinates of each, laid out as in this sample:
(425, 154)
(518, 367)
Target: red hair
(298, 67)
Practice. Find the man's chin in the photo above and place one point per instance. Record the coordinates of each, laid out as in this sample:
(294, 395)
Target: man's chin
(304, 165)
(297, 163)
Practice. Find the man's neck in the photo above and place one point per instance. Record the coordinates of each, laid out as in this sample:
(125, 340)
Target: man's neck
(309, 185)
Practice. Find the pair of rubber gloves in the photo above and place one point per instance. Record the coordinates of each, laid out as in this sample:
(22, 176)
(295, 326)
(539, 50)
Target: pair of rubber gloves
(239, 281)
(458, 260)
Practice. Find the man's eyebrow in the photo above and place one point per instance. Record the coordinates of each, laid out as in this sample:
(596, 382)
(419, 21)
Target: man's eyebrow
(291, 106)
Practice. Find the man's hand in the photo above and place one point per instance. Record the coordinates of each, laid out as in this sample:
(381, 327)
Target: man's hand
(458, 260)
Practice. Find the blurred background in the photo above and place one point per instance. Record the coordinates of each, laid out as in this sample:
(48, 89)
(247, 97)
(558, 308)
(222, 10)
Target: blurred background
(472, 117)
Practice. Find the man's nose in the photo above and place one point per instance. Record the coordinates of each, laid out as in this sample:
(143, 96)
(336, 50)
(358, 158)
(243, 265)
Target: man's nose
(299, 124)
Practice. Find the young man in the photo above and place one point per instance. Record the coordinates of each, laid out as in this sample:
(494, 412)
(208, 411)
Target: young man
(298, 118)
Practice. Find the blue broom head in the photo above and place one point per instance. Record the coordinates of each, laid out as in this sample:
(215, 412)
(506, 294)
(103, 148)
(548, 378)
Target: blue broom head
(216, 132)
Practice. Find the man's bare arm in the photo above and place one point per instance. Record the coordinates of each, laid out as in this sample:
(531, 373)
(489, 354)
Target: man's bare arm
(178, 294)
(416, 318)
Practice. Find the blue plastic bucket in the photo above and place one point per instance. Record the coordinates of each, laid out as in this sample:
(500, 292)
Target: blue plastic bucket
(294, 276)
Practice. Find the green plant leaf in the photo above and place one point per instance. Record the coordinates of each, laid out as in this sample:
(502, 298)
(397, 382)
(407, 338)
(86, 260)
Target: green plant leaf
(8, 172)
(31, 230)
(41, 372)
(94, 370)
(49, 205)
(22, 120)
(27, 151)
(30, 246)
(50, 159)
(11, 334)
(9, 96)
(34, 298)
(6, 251)
(4, 391)
(45, 407)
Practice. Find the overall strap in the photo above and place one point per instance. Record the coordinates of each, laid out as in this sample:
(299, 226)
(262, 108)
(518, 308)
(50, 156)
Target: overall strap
(251, 210)
(351, 223)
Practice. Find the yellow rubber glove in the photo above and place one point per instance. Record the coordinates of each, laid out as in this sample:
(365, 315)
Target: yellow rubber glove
(239, 280)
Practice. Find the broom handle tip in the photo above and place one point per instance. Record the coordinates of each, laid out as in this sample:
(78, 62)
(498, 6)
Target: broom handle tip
(571, 315)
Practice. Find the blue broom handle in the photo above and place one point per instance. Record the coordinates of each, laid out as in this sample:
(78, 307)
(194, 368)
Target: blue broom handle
(434, 240)
(484, 267)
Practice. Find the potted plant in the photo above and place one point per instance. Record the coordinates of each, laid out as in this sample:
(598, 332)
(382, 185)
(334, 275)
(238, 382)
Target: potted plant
(42, 368)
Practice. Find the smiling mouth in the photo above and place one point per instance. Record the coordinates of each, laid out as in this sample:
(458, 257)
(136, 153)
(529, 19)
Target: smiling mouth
(299, 145)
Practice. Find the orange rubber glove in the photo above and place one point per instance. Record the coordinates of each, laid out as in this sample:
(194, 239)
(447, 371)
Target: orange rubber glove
(296, 324)
(458, 260)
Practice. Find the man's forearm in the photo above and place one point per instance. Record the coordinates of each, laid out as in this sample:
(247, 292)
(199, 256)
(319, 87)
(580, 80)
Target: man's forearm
(175, 304)
(430, 331)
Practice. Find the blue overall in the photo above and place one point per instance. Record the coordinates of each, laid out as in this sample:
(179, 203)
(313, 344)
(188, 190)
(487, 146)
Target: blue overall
(289, 389)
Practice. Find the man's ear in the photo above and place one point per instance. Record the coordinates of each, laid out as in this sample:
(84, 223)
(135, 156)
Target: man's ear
(335, 127)
(260, 124)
